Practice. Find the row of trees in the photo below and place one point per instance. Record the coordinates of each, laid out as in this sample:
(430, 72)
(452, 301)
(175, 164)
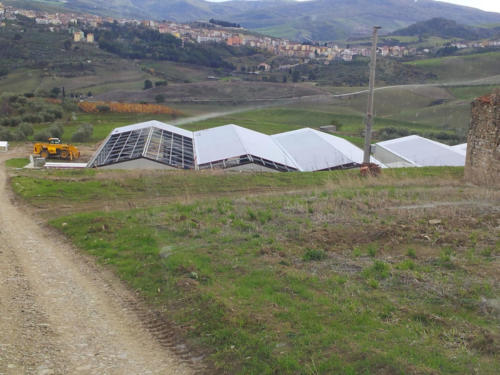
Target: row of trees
(139, 42)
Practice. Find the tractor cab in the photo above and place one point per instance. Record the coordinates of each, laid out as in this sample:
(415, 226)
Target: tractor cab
(54, 141)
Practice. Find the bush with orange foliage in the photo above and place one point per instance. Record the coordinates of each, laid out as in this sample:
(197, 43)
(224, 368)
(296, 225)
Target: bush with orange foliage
(93, 107)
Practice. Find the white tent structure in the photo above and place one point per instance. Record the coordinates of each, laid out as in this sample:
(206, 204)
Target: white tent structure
(416, 151)
(461, 148)
(147, 145)
(153, 145)
(4, 146)
(313, 150)
(234, 147)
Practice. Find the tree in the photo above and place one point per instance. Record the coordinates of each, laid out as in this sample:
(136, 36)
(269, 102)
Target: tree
(285, 79)
(295, 76)
(160, 98)
(83, 133)
(55, 92)
(148, 84)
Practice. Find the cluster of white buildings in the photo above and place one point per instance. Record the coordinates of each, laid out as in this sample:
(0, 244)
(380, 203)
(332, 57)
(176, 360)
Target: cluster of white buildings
(483, 44)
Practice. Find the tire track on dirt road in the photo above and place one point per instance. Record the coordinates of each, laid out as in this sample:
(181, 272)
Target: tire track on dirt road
(60, 314)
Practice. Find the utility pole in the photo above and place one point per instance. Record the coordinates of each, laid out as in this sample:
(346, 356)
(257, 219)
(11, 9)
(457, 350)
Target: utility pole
(369, 110)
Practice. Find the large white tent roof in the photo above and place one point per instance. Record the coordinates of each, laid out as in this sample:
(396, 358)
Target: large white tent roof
(423, 152)
(314, 150)
(229, 141)
(461, 148)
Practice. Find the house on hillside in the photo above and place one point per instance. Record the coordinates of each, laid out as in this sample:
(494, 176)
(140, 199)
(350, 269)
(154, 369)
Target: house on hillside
(265, 67)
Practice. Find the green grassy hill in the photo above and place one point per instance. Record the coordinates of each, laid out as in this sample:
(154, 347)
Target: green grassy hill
(461, 68)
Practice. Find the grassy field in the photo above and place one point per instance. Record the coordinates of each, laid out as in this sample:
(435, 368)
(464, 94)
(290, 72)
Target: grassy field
(281, 119)
(462, 67)
(299, 273)
(16, 162)
(471, 92)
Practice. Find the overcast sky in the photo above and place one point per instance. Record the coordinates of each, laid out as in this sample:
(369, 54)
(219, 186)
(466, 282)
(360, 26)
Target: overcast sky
(488, 5)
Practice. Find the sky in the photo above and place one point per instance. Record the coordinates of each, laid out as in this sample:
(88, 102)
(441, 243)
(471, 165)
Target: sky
(488, 5)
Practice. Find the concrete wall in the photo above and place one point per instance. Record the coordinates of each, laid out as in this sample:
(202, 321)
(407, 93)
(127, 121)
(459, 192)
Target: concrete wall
(389, 159)
(482, 162)
(138, 164)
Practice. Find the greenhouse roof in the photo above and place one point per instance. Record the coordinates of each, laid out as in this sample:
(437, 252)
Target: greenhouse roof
(461, 148)
(152, 140)
(313, 150)
(423, 152)
(232, 141)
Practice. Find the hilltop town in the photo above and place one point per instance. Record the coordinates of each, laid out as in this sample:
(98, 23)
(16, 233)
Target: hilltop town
(80, 25)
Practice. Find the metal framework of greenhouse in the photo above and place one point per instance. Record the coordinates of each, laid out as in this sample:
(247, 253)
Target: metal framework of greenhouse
(226, 147)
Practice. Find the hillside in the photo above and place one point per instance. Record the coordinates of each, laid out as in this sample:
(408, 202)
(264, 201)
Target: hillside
(268, 273)
(447, 29)
(318, 19)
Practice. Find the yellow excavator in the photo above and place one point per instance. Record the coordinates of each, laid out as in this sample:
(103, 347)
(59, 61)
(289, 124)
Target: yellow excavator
(54, 149)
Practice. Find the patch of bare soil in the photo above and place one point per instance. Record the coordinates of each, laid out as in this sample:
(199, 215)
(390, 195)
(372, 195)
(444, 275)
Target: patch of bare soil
(61, 314)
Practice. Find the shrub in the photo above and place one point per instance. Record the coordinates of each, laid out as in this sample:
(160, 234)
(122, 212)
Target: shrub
(26, 129)
(83, 133)
(103, 108)
(160, 98)
(148, 84)
(32, 117)
(18, 135)
(14, 121)
(29, 95)
(5, 135)
(56, 131)
(161, 83)
(47, 116)
(56, 112)
(336, 123)
(411, 253)
(379, 270)
(42, 135)
(314, 254)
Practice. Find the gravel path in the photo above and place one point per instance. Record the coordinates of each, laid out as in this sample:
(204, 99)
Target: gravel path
(60, 314)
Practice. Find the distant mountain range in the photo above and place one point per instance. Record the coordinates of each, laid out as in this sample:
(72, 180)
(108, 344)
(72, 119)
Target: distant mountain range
(315, 19)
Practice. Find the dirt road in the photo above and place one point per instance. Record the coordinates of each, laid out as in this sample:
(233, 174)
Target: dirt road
(60, 314)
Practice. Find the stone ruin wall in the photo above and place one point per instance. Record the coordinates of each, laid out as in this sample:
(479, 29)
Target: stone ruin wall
(482, 164)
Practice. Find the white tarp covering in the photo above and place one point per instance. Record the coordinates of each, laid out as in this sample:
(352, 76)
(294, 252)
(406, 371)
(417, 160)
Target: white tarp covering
(461, 148)
(56, 165)
(313, 150)
(230, 141)
(4, 146)
(422, 152)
